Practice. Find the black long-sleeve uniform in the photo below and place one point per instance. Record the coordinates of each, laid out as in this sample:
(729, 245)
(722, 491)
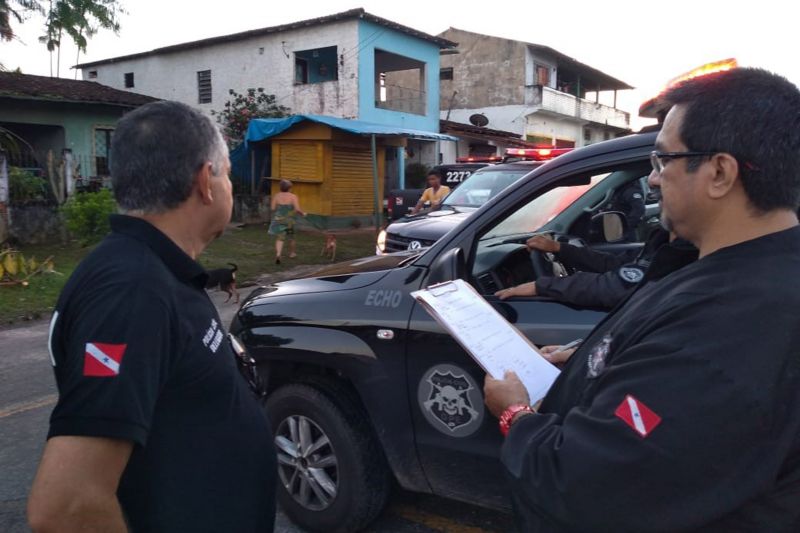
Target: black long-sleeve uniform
(604, 279)
(630, 202)
(681, 411)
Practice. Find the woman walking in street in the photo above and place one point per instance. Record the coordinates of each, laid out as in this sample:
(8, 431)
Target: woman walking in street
(285, 206)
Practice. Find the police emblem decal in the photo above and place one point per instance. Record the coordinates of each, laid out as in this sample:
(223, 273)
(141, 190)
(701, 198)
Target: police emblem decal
(597, 357)
(631, 274)
(450, 400)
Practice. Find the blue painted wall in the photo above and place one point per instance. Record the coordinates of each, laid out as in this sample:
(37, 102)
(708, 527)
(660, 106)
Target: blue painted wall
(372, 36)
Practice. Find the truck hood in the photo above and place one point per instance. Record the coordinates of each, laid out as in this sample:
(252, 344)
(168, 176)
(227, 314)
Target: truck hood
(341, 276)
(430, 226)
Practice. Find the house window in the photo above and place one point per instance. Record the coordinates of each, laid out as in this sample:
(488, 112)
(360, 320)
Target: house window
(92, 74)
(446, 73)
(102, 150)
(542, 75)
(316, 66)
(128, 80)
(300, 70)
(587, 135)
(204, 87)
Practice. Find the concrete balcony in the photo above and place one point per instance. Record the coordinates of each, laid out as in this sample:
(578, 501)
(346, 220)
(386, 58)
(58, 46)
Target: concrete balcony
(404, 99)
(553, 101)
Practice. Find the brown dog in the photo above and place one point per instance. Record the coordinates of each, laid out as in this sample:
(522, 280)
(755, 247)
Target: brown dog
(225, 279)
(329, 248)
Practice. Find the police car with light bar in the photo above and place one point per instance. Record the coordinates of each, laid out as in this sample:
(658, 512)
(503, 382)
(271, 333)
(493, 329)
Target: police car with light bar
(421, 231)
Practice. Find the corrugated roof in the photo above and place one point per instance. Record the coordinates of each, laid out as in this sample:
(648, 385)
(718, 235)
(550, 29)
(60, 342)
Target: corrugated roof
(29, 87)
(506, 137)
(345, 15)
(264, 128)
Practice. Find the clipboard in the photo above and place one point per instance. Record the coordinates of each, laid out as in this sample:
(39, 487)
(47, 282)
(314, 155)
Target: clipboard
(494, 343)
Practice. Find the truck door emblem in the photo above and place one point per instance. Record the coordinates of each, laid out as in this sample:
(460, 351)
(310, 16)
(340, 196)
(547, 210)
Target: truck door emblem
(451, 400)
(414, 245)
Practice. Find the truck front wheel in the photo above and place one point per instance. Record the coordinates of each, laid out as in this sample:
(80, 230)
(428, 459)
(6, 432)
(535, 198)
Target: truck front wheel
(332, 474)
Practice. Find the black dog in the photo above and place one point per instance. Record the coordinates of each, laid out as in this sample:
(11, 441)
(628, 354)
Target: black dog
(225, 279)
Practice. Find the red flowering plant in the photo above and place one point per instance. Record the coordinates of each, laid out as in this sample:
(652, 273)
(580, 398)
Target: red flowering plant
(241, 108)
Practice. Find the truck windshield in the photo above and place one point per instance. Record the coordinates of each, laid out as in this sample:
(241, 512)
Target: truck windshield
(482, 186)
(539, 211)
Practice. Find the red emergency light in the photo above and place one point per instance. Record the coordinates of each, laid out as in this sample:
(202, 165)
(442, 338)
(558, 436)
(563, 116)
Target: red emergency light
(536, 154)
(655, 107)
(479, 159)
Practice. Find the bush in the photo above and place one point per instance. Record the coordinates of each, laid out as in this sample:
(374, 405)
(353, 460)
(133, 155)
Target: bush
(415, 175)
(25, 188)
(86, 215)
(241, 108)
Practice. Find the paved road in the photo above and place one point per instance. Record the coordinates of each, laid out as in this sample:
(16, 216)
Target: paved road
(27, 395)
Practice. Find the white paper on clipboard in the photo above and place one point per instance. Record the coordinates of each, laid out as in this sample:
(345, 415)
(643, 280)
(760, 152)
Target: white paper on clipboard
(495, 344)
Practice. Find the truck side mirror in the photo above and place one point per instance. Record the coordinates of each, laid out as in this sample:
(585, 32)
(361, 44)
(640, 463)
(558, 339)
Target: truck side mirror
(448, 266)
(611, 225)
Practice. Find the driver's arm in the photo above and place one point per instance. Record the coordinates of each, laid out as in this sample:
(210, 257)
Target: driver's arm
(576, 257)
(586, 259)
(586, 289)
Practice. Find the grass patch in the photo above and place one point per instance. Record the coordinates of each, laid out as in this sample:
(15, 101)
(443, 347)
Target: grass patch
(250, 247)
(39, 297)
(253, 250)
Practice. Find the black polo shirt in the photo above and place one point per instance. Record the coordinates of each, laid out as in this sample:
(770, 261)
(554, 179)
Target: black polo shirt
(681, 411)
(140, 355)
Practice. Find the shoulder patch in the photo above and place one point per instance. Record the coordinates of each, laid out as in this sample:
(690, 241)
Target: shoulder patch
(631, 274)
(638, 416)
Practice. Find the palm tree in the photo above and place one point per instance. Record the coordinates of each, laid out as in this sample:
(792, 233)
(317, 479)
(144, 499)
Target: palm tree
(15, 10)
(80, 20)
(105, 15)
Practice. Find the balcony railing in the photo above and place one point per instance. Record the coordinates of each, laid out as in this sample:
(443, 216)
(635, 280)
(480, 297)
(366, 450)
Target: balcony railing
(548, 99)
(398, 98)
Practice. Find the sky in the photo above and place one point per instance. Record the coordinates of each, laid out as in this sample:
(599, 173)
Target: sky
(643, 43)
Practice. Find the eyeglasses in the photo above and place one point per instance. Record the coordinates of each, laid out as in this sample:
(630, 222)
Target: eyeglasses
(660, 159)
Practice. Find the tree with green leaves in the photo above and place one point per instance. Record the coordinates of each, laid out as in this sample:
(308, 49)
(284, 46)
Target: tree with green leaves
(15, 11)
(241, 108)
(80, 20)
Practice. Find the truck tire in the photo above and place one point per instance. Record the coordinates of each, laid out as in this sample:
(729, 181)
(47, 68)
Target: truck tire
(332, 475)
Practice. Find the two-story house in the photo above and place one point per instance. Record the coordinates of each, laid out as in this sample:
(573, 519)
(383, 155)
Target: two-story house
(542, 95)
(342, 65)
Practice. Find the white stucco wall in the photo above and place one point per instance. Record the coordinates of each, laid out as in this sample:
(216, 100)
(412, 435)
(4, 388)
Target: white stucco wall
(555, 128)
(243, 64)
(507, 118)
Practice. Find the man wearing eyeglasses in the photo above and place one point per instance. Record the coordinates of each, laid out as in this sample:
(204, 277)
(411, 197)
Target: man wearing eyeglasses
(681, 411)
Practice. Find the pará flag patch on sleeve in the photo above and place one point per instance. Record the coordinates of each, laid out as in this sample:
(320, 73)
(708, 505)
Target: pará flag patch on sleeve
(638, 416)
(103, 360)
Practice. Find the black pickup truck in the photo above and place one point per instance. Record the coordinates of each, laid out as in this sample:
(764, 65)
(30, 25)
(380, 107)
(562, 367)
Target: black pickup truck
(365, 388)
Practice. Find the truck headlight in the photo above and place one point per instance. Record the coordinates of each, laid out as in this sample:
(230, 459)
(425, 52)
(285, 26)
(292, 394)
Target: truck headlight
(380, 246)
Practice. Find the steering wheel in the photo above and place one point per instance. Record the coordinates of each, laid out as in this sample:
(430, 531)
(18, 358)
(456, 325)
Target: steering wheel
(542, 263)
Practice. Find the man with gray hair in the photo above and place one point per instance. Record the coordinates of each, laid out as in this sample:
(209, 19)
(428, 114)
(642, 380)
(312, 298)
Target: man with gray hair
(154, 429)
